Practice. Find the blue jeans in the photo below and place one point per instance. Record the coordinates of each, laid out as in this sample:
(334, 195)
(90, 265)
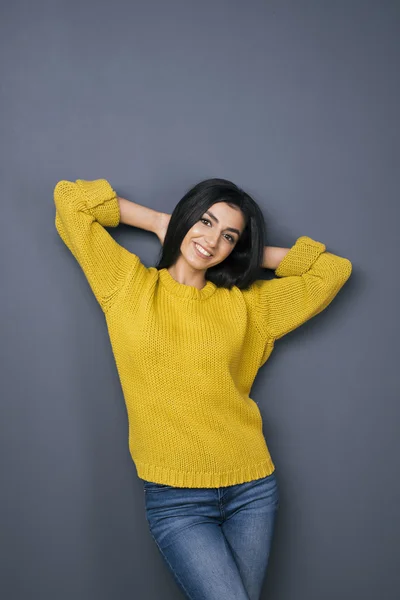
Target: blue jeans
(215, 541)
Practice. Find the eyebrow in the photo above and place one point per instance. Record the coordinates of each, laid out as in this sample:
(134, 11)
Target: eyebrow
(216, 220)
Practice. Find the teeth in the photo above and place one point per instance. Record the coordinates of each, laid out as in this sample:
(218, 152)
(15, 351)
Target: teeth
(202, 250)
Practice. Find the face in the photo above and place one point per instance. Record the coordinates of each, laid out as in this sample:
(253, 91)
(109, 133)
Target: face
(217, 232)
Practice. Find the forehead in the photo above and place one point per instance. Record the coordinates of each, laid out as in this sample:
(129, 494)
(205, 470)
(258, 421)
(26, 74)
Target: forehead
(227, 215)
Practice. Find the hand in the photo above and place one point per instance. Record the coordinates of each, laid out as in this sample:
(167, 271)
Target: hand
(162, 226)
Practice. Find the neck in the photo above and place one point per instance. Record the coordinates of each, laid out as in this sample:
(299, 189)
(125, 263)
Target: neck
(183, 273)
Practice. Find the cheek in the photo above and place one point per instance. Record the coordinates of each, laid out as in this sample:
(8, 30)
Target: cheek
(227, 251)
(187, 240)
(195, 231)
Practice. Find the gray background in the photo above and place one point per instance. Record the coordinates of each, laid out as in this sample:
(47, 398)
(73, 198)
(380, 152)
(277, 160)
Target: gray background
(295, 101)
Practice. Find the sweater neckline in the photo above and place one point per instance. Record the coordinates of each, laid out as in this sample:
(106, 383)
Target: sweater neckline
(185, 291)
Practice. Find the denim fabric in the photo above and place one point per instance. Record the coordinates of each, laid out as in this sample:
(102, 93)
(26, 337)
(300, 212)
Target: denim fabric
(215, 541)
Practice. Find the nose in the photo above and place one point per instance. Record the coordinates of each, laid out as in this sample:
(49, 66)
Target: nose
(211, 240)
(210, 243)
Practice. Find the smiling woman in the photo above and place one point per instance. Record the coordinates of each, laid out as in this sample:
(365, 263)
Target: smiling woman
(188, 338)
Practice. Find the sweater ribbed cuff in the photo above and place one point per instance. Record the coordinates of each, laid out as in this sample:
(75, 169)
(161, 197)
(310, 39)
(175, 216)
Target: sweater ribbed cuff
(101, 201)
(300, 257)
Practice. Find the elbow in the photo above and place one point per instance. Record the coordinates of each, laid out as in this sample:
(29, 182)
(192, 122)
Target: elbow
(62, 191)
(348, 268)
(59, 185)
(343, 270)
(339, 275)
(337, 270)
(65, 199)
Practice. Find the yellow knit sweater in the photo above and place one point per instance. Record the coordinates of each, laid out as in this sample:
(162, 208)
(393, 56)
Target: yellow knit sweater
(187, 358)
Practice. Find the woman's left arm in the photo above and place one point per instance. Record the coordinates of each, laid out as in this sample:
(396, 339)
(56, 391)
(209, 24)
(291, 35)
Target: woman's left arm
(307, 280)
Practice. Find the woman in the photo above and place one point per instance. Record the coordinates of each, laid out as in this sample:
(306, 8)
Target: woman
(188, 337)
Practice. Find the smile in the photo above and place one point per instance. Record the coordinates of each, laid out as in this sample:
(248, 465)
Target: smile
(201, 252)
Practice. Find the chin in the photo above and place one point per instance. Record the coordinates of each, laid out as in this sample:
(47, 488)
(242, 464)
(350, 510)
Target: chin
(199, 266)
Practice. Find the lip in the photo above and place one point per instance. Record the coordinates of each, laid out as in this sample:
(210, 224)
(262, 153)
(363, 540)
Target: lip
(199, 253)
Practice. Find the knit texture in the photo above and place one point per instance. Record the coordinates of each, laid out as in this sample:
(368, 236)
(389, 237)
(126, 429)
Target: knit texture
(187, 358)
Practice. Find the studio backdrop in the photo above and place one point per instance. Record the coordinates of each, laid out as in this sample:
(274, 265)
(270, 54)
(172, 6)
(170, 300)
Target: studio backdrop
(297, 103)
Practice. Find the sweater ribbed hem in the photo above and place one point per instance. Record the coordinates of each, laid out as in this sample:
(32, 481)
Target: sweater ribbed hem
(174, 478)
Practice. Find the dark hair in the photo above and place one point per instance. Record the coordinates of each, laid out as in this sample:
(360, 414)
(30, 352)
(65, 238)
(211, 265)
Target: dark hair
(243, 266)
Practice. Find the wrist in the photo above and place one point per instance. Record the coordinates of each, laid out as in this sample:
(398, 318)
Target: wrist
(162, 223)
(273, 256)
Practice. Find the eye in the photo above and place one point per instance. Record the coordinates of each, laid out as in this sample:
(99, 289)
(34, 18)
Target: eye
(231, 239)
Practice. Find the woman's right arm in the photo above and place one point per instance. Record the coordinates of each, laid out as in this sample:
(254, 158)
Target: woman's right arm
(137, 215)
(83, 210)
